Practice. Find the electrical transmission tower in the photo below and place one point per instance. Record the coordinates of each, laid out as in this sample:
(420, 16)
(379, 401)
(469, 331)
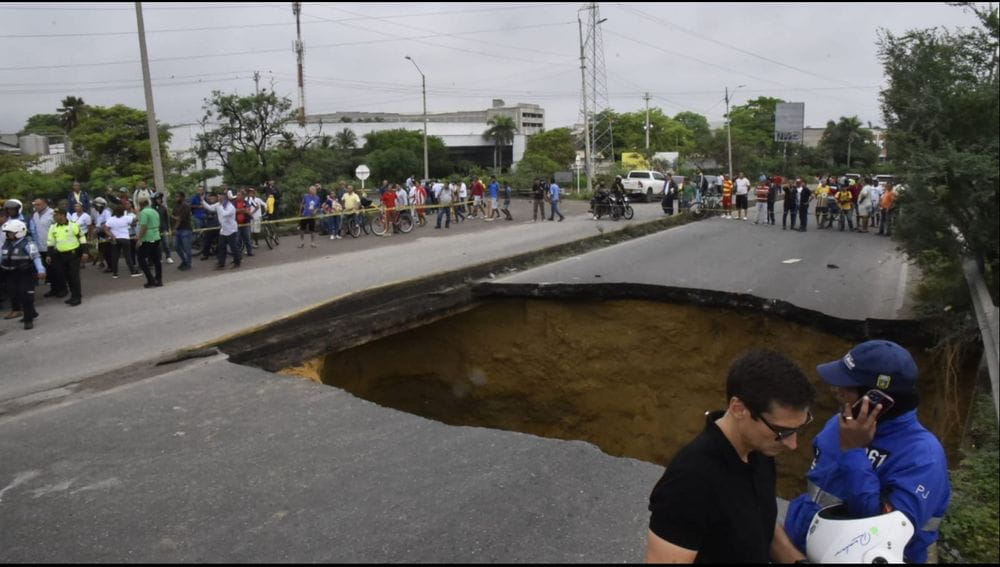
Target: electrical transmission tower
(596, 102)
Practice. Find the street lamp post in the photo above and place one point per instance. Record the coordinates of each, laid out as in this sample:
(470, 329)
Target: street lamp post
(423, 85)
(729, 130)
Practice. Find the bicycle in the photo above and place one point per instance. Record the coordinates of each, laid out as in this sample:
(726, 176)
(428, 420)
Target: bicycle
(402, 222)
(270, 235)
(708, 206)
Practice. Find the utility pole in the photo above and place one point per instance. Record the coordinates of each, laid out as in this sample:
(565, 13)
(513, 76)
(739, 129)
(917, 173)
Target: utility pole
(154, 134)
(423, 87)
(729, 130)
(300, 52)
(646, 98)
(729, 136)
(586, 120)
(256, 82)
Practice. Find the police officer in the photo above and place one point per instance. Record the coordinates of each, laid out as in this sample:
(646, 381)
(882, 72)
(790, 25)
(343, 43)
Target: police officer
(63, 241)
(20, 265)
(881, 460)
(12, 208)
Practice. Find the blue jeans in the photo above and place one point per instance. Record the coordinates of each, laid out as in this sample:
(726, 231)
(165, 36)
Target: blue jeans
(182, 242)
(245, 242)
(335, 222)
(443, 211)
(165, 244)
(555, 211)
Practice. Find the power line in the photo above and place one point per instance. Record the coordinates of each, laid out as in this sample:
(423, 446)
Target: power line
(717, 41)
(285, 49)
(423, 38)
(262, 25)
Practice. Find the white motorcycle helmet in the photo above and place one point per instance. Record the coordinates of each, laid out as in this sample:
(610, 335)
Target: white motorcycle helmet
(12, 204)
(16, 227)
(835, 538)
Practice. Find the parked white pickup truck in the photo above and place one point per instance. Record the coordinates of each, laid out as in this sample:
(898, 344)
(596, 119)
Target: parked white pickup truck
(644, 184)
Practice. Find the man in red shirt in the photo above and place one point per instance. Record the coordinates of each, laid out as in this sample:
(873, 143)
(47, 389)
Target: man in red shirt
(389, 203)
(478, 191)
(243, 221)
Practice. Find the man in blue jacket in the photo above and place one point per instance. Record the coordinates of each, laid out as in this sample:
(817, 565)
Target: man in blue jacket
(878, 461)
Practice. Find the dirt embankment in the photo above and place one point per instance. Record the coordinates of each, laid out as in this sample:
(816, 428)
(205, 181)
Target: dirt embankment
(633, 377)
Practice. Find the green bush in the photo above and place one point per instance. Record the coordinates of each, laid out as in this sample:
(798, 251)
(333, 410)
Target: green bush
(971, 529)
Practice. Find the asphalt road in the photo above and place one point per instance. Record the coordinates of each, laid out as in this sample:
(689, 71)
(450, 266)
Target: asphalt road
(848, 275)
(222, 463)
(120, 323)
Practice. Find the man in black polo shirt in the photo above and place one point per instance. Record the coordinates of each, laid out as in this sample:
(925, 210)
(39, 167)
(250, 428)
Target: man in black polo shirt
(716, 501)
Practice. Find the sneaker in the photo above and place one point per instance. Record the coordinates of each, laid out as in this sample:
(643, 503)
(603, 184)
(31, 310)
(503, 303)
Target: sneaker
(28, 325)
(170, 260)
(312, 244)
(74, 302)
(332, 237)
(339, 237)
(135, 275)
(114, 276)
(14, 315)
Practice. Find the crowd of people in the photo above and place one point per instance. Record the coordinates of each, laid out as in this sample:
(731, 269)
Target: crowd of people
(143, 228)
(859, 205)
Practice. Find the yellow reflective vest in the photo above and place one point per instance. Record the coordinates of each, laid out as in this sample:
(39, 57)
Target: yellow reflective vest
(66, 237)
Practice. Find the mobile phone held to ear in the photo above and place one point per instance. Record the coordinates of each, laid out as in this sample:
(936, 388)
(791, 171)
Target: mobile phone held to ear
(875, 397)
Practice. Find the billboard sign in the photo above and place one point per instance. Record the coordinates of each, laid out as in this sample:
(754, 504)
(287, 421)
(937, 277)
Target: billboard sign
(789, 118)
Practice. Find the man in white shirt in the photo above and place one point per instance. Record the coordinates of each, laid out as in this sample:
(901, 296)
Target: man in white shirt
(257, 206)
(463, 196)
(742, 195)
(82, 220)
(228, 231)
(104, 242)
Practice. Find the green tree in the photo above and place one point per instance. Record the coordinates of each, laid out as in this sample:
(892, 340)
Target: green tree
(501, 130)
(248, 126)
(942, 113)
(346, 139)
(43, 125)
(111, 146)
(848, 144)
(412, 140)
(72, 111)
(557, 145)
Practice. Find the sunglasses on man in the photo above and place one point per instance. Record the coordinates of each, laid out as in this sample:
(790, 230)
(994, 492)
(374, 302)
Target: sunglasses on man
(782, 433)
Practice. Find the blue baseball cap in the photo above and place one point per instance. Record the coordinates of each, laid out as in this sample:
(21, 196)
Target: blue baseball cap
(873, 364)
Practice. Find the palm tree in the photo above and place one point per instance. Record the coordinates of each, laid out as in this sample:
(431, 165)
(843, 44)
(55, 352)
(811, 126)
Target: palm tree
(501, 131)
(72, 110)
(346, 139)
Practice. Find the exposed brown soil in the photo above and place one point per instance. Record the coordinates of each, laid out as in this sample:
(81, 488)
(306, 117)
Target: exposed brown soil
(632, 377)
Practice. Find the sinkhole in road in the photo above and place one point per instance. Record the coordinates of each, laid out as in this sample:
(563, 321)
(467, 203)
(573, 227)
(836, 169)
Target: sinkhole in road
(633, 377)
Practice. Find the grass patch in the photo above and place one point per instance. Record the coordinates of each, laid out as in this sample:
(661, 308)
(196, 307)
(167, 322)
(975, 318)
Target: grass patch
(971, 529)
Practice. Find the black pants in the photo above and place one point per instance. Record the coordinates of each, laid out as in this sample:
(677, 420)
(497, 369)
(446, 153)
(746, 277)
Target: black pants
(209, 239)
(104, 248)
(69, 267)
(788, 211)
(121, 249)
(54, 275)
(803, 216)
(233, 241)
(149, 253)
(770, 213)
(21, 287)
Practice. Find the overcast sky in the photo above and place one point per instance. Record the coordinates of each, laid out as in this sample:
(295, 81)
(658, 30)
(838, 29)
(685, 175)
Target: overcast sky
(824, 55)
